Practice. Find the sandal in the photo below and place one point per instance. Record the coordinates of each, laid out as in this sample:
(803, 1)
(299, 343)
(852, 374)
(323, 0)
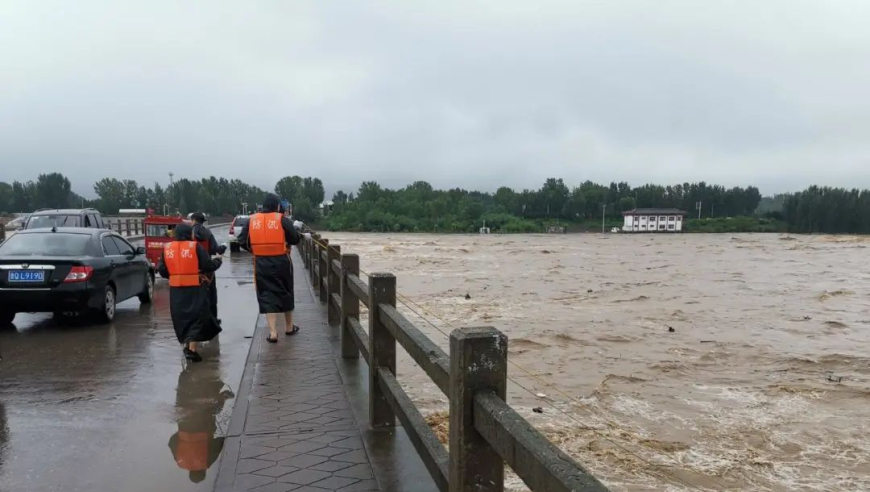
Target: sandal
(271, 340)
(294, 331)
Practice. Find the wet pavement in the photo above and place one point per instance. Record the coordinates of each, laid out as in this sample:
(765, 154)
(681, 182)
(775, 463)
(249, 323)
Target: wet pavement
(301, 420)
(89, 407)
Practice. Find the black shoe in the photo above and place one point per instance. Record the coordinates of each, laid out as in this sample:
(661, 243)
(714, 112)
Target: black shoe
(192, 356)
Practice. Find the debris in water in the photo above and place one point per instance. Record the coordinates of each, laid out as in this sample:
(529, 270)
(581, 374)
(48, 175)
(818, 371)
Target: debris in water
(249, 336)
(546, 252)
(671, 329)
(541, 395)
(835, 379)
(589, 291)
(808, 318)
(538, 410)
(708, 341)
(467, 297)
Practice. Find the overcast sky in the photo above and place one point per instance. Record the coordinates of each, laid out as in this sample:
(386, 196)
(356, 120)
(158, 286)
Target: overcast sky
(458, 93)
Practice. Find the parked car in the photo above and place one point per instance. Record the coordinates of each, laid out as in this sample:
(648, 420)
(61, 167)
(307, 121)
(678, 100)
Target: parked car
(16, 224)
(239, 222)
(71, 271)
(47, 218)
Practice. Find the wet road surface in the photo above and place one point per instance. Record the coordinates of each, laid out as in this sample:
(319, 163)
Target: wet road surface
(89, 407)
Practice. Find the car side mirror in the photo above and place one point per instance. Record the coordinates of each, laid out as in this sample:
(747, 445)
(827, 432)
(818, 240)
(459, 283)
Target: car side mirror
(140, 250)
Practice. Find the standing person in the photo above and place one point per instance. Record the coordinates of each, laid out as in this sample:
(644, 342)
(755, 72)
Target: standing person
(185, 264)
(204, 237)
(269, 235)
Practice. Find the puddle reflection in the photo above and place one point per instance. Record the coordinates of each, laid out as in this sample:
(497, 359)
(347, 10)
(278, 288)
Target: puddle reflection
(200, 397)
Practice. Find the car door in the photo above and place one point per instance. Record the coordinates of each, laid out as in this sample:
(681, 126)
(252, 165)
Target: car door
(133, 268)
(117, 275)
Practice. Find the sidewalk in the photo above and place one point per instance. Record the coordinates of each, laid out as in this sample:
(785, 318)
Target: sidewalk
(294, 426)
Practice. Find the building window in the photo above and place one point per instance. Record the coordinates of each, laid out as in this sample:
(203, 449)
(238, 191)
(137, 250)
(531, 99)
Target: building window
(663, 218)
(671, 227)
(671, 218)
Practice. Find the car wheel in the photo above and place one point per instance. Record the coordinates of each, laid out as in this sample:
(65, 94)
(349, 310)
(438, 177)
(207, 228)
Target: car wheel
(107, 311)
(6, 318)
(148, 294)
(235, 248)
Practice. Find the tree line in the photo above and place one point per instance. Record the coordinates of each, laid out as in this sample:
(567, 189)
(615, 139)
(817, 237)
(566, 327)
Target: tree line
(212, 195)
(822, 209)
(419, 207)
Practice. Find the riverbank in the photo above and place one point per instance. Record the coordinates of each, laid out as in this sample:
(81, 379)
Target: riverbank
(506, 224)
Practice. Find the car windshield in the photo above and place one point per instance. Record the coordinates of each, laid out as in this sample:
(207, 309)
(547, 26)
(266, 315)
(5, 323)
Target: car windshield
(159, 230)
(45, 244)
(49, 221)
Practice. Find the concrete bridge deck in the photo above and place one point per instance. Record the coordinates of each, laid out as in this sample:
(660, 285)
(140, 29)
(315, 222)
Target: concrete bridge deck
(300, 418)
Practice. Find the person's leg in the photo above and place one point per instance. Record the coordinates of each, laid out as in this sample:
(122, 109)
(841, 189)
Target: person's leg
(272, 320)
(190, 352)
(288, 323)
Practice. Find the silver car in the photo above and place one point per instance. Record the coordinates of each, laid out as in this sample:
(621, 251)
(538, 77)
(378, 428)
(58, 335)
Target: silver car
(239, 222)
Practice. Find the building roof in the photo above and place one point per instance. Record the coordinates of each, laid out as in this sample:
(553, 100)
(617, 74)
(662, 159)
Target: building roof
(654, 211)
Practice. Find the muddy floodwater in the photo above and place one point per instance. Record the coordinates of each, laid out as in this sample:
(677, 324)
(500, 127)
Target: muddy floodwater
(663, 362)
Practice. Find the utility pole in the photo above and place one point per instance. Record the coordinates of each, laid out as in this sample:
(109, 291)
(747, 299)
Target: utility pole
(603, 211)
(698, 206)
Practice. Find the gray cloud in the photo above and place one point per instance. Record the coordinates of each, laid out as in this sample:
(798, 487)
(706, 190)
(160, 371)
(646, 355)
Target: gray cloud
(458, 93)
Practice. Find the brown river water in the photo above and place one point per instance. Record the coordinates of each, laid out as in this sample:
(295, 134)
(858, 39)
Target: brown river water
(662, 362)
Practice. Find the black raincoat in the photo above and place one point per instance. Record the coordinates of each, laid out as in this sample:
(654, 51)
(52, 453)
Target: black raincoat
(202, 233)
(273, 276)
(189, 306)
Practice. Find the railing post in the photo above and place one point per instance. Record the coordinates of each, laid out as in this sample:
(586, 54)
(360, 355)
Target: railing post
(349, 305)
(382, 290)
(323, 271)
(312, 260)
(333, 285)
(478, 362)
(128, 227)
(136, 226)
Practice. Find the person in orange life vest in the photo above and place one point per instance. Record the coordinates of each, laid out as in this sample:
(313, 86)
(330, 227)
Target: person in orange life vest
(269, 235)
(200, 396)
(205, 238)
(185, 264)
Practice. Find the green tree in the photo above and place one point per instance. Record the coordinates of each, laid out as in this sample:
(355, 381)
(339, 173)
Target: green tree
(6, 198)
(111, 192)
(52, 191)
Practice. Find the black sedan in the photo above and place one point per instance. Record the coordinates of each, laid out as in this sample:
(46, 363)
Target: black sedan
(71, 271)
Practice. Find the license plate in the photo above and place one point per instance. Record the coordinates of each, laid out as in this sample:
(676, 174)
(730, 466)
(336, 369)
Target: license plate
(26, 275)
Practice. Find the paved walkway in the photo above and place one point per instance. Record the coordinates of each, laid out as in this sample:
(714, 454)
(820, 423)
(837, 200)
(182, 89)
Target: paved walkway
(294, 426)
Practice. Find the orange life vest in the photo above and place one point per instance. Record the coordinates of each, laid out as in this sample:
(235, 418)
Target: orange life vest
(267, 235)
(192, 452)
(183, 265)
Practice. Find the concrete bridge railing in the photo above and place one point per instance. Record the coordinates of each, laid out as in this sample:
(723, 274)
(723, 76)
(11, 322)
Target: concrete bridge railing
(485, 432)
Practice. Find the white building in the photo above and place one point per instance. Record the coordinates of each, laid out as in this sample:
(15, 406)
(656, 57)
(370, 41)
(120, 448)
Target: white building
(653, 220)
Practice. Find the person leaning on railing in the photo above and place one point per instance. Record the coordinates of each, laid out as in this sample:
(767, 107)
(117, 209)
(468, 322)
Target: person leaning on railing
(269, 235)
